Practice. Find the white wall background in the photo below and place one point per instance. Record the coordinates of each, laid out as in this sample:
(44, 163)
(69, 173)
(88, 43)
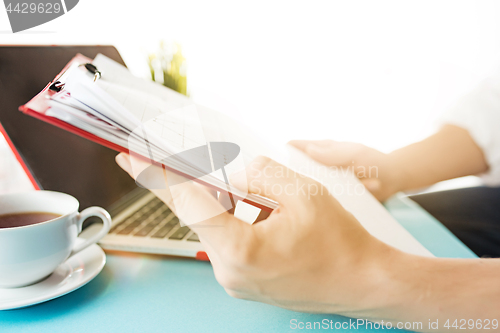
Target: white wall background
(376, 72)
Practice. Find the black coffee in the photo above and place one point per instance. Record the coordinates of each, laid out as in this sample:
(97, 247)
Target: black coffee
(24, 219)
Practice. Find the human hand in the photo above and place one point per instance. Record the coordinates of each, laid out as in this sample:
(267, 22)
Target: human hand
(309, 255)
(376, 170)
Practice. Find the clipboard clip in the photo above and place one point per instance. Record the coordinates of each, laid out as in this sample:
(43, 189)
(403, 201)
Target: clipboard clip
(58, 85)
(92, 69)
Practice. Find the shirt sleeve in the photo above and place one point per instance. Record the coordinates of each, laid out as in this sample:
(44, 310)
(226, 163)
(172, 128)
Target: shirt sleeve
(479, 113)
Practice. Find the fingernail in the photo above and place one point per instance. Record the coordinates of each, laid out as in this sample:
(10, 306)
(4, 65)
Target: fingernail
(372, 184)
(120, 159)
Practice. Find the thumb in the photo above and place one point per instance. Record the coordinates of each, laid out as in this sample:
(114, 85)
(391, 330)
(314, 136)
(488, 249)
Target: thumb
(319, 153)
(191, 202)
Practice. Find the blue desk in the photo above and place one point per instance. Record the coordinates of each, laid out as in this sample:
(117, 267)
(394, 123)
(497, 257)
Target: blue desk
(144, 293)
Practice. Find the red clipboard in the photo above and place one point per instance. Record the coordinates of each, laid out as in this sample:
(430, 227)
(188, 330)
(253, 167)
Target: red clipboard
(19, 158)
(38, 106)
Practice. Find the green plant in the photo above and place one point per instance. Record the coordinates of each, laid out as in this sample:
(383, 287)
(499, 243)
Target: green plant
(168, 67)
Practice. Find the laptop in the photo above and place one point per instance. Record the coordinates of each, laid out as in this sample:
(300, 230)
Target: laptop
(60, 161)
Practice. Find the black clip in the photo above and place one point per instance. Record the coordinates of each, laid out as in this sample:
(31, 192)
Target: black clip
(92, 69)
(56, 86)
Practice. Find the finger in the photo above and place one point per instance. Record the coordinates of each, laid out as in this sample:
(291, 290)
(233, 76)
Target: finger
(191, 202)
(141, 170)
(123, 161)
(203, 213)
(376, 188)
(372, 184)
(197, 207)
(213, 193)
(322, 151)
(336, 153)
(302, 144)
(270, 179)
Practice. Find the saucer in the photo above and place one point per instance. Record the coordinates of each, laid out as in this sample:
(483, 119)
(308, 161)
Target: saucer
(75, 272)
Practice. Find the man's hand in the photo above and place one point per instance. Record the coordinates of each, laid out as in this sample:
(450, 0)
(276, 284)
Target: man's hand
(375, 169)
(312, 255)
(309, 255)
(449, 153)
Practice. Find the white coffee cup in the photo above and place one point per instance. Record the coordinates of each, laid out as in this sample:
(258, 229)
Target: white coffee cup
(29, 254)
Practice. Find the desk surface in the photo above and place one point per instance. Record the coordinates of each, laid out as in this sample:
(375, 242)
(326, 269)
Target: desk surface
(144, 293)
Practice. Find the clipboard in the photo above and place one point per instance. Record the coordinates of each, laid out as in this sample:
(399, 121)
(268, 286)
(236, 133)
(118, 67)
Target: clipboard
(38, 106)
(19, 159)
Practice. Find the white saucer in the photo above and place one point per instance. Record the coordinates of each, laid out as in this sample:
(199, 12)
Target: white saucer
(68, 276)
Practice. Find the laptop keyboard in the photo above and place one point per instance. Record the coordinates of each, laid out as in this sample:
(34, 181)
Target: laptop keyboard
(154, 220)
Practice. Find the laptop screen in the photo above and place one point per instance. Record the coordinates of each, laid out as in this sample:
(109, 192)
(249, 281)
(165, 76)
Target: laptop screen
(59, 160)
